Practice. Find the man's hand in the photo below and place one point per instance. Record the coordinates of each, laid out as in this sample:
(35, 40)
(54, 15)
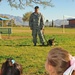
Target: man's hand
(43, 30)
(31, 28)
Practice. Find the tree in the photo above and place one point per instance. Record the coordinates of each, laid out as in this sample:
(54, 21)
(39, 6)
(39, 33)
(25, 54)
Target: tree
(26, 16)
(47, 22)
(52, 23)
(22, 3)
(12, 23)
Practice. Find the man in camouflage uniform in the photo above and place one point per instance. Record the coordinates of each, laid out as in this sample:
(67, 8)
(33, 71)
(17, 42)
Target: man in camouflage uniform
(36, 24)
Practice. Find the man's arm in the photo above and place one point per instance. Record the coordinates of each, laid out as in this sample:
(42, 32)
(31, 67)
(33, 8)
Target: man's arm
(42, 22)
(31, 21)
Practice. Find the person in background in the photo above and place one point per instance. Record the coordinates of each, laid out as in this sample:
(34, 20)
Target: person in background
(10, 67)
(60, 62)
(36, 23)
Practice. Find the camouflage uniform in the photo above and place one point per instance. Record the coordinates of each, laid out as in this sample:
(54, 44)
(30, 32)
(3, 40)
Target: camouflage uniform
(36, 24)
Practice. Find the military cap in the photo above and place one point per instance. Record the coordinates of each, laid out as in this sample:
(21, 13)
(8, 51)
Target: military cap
(36, 7)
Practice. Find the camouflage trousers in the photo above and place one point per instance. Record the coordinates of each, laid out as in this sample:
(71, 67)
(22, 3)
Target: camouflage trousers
(38, 32)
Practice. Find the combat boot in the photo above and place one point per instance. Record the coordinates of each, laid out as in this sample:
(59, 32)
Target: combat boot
(43, 44)
(34, 44)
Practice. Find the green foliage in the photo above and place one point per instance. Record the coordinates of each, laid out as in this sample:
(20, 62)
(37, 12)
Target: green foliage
(26, 16)
(47, 20)
(20, 47)
(52, 23)
(11, 23)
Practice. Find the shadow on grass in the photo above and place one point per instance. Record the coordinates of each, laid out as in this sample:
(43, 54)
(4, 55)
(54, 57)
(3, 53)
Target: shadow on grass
(22, 45)
(43, 45)
(15, 45)
(47, 45)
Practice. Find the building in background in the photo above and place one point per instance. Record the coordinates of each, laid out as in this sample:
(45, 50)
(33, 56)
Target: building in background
(71, 23)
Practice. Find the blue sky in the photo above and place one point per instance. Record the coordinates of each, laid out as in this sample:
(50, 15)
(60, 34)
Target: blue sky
(61, 7)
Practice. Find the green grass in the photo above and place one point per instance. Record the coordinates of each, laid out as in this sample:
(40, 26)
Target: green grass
(20, 47)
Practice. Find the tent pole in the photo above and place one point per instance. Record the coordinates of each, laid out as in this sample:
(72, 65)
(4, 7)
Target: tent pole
(2, 23)
(63, 25)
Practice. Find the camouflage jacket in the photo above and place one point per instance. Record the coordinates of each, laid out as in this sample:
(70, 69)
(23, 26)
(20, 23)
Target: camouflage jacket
(36, 21)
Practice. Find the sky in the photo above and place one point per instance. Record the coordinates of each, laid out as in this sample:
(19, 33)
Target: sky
(61, 8)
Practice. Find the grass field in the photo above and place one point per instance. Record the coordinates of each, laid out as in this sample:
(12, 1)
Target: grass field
(20, 47)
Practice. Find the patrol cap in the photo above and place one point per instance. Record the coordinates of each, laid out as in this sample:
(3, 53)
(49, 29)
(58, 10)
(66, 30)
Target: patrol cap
(36, 7)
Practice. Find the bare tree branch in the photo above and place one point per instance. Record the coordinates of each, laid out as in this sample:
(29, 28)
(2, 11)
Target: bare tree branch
(23, 3)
